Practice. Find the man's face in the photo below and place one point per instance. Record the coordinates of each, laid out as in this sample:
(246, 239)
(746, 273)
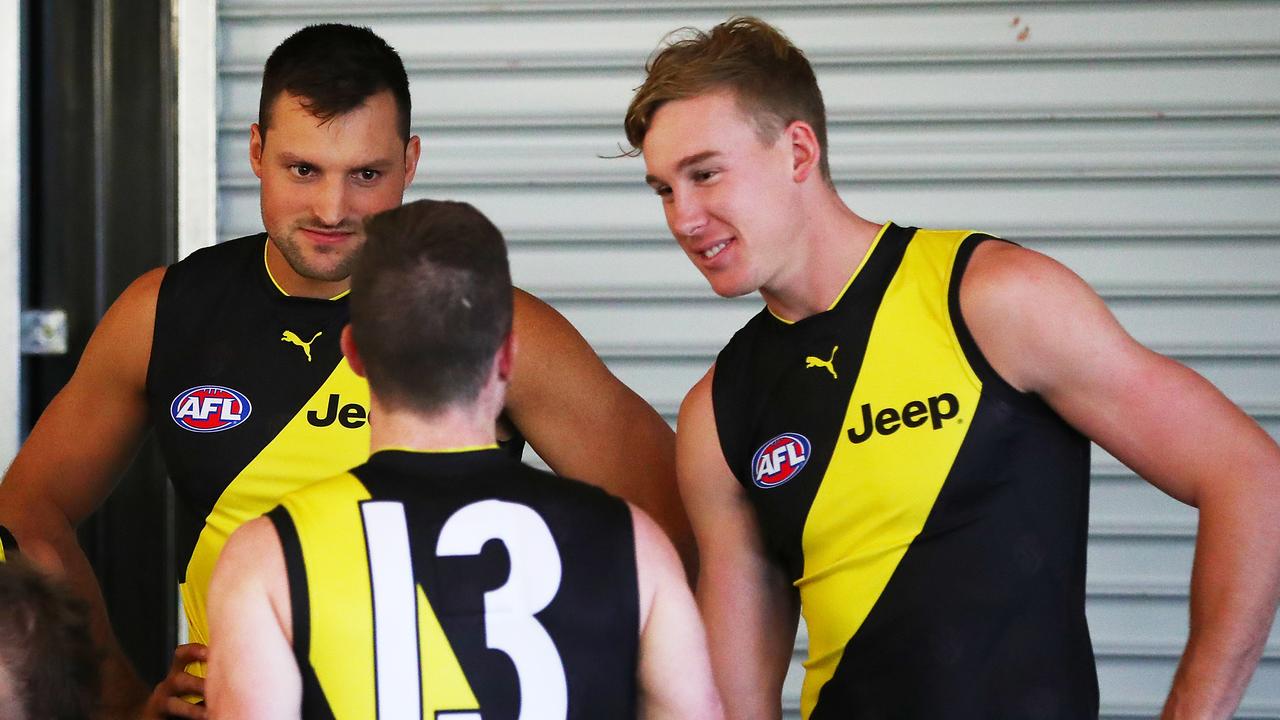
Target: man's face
(729, 199)
(320, 178)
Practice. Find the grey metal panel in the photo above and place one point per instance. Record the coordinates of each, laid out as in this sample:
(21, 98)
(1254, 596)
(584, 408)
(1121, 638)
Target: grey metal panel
(1136, 142)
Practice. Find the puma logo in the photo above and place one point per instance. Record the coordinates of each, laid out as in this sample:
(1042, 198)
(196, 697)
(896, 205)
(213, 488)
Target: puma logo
(292, 337)
(811, 362)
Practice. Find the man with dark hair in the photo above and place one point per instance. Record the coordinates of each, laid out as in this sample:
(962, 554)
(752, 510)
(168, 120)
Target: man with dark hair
(232, 356)
(48, 667)
(473, 584)
(898, 444)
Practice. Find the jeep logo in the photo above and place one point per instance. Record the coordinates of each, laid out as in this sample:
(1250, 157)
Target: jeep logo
(350, 415)
(913, 415)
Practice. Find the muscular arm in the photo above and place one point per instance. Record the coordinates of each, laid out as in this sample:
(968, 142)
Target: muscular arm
(749, 607)
(675, 671)
(73, 458)
(252, 671)
(588, 425)
(1046, 332)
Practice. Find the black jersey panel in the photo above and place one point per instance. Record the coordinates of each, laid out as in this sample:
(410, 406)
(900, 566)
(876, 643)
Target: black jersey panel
(593, 619)
(8, 543)
(984, 616)
(296, 572)
(771, 381)
(220, 323)
(992, 381)
(903, 494)
(315, 706)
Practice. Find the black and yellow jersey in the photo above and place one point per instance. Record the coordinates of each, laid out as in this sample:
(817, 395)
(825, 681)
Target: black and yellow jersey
(8, 543)
(932, 517)
(250, 399)
(460, 585)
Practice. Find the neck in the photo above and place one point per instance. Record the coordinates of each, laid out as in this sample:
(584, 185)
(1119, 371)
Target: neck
(291, 283)
(831, 241)
(448, 429)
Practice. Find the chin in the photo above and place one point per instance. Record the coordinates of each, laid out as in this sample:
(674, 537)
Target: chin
(729, 289)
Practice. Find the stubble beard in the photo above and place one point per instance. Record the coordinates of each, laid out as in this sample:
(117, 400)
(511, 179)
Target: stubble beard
(322, 263)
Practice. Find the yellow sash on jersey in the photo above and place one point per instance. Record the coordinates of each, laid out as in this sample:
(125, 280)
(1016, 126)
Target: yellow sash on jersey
(331, 533)
(301, 454)
(878, 492)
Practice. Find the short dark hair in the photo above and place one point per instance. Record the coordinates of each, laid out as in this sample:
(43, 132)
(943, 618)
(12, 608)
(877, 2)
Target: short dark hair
(334, 68)
(771, 79)
(45, 646)
(430, 303)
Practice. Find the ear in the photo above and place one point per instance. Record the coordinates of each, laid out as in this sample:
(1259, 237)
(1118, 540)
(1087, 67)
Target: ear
(505, 362)
(806, 153)
(412, 152)
(255, 149)
(347, 342)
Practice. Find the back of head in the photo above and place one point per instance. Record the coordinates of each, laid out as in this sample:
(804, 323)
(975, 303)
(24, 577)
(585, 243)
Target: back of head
(771, 78)
(430, 303)
(334, 68)
(47, 656)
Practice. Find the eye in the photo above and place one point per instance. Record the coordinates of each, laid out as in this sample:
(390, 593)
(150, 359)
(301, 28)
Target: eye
(302, 170)
(704, 175)
(368, 175)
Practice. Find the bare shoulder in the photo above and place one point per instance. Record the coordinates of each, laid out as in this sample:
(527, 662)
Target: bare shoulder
(251, 564)
(1022, 307)
(536, 316)
(657, 563)
(1002, 276)
(697, 440)
(250, 548)
(697, 402)
(138, 301)
(653, 546)
(131, 318)
(147, 284)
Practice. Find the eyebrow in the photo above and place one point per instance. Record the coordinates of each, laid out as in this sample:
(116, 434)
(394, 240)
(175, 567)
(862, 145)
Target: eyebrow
(289, 158)
(693, 159)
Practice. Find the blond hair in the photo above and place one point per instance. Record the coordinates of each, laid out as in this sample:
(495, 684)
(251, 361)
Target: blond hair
(770, 78)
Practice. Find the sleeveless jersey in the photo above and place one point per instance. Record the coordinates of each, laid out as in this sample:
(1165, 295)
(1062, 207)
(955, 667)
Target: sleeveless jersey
(250, 399)
(461, 584)
(8, 544)
(932, 517)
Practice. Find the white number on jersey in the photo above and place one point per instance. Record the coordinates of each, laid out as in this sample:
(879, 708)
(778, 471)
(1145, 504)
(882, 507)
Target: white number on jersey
(509, 622)
(510, 625)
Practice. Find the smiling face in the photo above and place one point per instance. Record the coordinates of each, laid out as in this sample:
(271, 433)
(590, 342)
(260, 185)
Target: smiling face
(319, 180)
(731, 200)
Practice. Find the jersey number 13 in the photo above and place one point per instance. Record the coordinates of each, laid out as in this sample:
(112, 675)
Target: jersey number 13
(509, 624)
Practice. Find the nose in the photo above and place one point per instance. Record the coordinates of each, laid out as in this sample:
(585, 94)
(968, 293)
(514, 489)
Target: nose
(330, 202)
(687, 217)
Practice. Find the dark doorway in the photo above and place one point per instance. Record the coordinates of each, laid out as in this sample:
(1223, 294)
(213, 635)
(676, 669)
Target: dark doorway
(101, 155)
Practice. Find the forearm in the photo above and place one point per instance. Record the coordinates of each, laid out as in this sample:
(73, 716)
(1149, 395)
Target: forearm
(751, 626)
(1235, 584)
(649, 473)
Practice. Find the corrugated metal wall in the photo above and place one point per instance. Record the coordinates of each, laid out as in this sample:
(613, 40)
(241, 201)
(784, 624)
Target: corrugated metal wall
(1137, 142)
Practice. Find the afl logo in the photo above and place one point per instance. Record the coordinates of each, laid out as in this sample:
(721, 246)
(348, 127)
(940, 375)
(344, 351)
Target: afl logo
(779, 460)
(210, 408)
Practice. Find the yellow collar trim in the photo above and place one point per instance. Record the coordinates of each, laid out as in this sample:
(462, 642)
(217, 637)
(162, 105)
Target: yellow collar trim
(849, 283)
(284, 292)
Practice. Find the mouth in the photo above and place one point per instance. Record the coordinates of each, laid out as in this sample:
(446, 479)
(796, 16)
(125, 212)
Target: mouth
(716, 249)
(326, 235)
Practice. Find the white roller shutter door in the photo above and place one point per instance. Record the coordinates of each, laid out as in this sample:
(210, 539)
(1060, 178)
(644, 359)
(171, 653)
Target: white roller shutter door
(1137, 142)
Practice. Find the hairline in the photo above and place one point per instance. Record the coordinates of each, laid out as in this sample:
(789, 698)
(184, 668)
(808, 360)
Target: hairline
(263, 122)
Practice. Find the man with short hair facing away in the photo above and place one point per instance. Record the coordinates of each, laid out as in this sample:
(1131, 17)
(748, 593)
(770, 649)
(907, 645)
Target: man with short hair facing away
(898, 444)
(48, 666)
(442, 578)
(231, 356)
